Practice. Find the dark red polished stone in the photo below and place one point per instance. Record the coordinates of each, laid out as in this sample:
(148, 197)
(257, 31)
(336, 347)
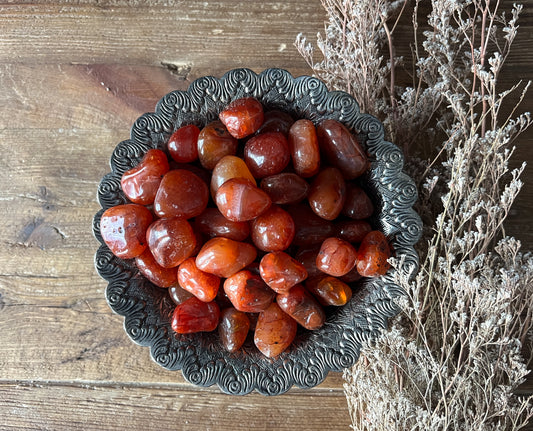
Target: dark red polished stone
(194, 315)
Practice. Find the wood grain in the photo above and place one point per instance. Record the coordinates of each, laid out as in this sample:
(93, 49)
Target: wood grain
(74, 76)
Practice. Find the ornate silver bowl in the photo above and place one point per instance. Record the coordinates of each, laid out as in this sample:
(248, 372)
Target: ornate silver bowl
(147, 309)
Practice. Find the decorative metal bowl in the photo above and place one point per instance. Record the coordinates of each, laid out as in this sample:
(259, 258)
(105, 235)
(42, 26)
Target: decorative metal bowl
(147, 309)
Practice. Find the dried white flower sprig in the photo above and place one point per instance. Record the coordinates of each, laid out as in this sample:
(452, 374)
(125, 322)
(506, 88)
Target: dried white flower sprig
(454, 357)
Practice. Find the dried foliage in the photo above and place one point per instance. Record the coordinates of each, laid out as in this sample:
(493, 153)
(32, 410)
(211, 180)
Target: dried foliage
(454, 357)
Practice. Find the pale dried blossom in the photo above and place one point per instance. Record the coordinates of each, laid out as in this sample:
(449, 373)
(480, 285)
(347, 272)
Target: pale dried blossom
(456, 354)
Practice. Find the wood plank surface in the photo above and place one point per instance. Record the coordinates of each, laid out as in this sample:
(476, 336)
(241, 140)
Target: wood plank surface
(74, 76)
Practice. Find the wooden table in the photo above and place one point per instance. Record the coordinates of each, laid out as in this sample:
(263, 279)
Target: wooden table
(73, 78)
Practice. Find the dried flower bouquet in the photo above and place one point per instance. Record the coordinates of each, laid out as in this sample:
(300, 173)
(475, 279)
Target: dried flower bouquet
(455, 355)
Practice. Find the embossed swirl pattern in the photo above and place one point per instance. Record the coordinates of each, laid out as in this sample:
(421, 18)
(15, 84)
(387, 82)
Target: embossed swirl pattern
(337, 344)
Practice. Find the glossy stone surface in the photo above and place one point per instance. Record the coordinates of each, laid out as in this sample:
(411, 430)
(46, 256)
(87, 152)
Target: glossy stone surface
(201, 284)
(181, 194)
(212, 223)
(280, 271)
(267, 154)
(224, 257)
(233, 328)
(357, 204)
(238, 199)
(275, 331)
(194, 315)
(352, 230)
(178, 294)
(242, 117)
(183, 144)
(273, 230)
(329, 290)
(229, 167)
(310, 229)
(215, 142)
(342, 149)
(276, 121)
(140, 184)
(336, 257)
(171, 241)
(327, 194)
(123, 229)
(373, 254)
(158, 275)
(248, 292)
(302, 307)
(285, 188)
(305, 152)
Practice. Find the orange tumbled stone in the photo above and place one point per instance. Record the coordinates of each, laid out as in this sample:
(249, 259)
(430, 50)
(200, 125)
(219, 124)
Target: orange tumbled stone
(215, 142)
(181, 194)
(275, 331)
(242, 117)
(123, 229)
(267, 154)
(302, 307)
(336, 257)
(373, 254)
(229, 167)
(171, 241)
(327, 194)
(201, 284)
(303, 143)
(183, 144)
(238, 199)
(233, 328)
(280, 271)
(248, 292)
(194, 315)
(140, 184)
(158, 275)
(273, 230)
(329, 290)
(224, 257)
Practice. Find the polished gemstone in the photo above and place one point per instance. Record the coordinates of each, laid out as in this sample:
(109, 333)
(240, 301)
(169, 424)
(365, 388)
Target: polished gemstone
(224, 257)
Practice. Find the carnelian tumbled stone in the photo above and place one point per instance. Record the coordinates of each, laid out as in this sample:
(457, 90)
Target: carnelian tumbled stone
(140, 184)
(229, 167)
(183, 144)
(238, 199)
(242, 117)
(329, 290)
(224, 257)
(307, 257)
(275, 331)
(280, 271)
(201, 284)
(302, 307)
(123, 229)
(336, 257)
(276, 121)
(357, 204)
(181, 194)
(215, 142)
(273, 230)
(178, 294)
(373, 254)
(233, 328)
(352, 230)
(160, 276)
(248, 292)
(327, 194)
(303, 143)
(342, 149)
(285, 188)
(267, 154)
(171, 241)
(212, 223)
(194, 315)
